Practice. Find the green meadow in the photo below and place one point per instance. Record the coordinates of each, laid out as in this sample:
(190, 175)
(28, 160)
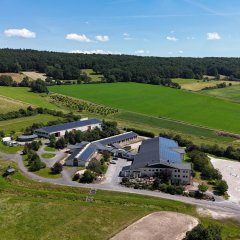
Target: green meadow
(23, 95)
(160, 102)
(19, 124)
(33, 210)
(228, 93)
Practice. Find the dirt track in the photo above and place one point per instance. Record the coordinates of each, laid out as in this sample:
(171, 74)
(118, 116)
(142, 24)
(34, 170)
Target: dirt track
(159, 226)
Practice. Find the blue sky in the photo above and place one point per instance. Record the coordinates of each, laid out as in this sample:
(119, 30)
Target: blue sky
(194, 28)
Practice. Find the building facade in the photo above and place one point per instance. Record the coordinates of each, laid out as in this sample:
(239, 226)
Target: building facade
(60, 129)
(163, 158)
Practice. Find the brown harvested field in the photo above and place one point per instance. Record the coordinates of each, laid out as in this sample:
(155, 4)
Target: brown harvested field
(18, 77)
(198, 86)
(159, 225)
(35, 75)
(8, 105)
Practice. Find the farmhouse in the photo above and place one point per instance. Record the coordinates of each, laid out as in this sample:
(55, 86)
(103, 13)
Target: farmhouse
(60, 129)
(162, 157)
(83, 152)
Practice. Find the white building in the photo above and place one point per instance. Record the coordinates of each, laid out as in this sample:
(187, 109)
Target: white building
(160, 157)
(60, 129)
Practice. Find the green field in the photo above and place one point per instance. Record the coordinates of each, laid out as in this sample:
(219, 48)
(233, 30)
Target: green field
(32, 210)
(19, 124)
(10, 105)
(229, 93)
(25, 96)
(94, 76)
(160, 101)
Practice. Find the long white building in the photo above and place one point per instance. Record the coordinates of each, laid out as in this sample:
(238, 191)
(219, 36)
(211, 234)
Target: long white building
(60, 129)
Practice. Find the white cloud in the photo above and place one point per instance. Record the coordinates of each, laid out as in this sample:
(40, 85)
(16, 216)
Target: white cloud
(23, 33)
(126, 36)
(139, 51)
(213, 36)
(97, 51)
(180, 51)
(102, 38)
(77, 37)
(174, 39)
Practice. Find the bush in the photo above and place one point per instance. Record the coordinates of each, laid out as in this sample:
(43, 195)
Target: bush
(221, 187)
(212, 232)
(88, 177)
(57, 168)
(34, 162)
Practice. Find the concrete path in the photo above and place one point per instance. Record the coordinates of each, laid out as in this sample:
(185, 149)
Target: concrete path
(218, 206)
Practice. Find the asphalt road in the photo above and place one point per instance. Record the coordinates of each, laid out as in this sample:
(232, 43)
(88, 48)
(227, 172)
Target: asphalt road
(112, 184)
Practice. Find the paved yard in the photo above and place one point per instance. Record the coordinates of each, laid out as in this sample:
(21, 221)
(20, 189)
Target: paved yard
(159, 225)
(230, 171)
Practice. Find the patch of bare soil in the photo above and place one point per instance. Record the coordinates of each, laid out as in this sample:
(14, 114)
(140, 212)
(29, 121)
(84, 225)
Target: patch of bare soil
(159, 225)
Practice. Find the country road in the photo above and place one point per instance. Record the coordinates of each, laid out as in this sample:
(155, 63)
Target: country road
(112, 184)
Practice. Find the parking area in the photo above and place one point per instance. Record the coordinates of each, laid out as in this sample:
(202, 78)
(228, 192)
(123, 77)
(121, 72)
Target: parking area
(112, 175)
(230, 171)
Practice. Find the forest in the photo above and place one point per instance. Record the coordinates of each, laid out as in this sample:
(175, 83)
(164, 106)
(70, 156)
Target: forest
(117, 68)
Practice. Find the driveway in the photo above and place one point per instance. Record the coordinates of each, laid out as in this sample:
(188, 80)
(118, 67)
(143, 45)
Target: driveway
(221, 207)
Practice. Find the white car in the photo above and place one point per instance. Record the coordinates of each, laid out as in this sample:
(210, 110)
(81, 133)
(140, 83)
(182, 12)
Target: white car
(112, 162)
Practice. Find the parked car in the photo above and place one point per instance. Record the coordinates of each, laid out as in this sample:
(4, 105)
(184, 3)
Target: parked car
(112, 162)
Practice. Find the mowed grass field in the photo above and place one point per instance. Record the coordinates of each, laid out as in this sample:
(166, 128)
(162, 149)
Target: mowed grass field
(197, 85)
(25, 96)
(90, 73)
(160, 101)
(19, 124)
(32, 211)
(229, 93)
(8, 104)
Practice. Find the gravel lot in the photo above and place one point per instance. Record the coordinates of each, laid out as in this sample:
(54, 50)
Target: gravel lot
(159, 225)
(231, 173)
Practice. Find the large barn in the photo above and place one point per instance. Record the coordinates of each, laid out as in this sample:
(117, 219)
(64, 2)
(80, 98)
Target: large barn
(60, 129)
(163, 157)
(82, 153)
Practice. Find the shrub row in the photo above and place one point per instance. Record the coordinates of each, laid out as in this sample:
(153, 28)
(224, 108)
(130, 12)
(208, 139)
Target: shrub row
(80, 105)
(141, 132)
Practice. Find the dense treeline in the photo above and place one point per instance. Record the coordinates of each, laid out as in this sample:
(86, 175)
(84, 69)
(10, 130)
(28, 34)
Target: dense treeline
(155, 70)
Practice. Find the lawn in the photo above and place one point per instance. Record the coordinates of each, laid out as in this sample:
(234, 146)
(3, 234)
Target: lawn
(229, 93)
(25, 96)
(8, 149)
(94, 76)
(48, 155)
(197, 85)
(8, 105)
(46, 173)
(49, 149)
(33, 210)
(160, 101)
(19, 124)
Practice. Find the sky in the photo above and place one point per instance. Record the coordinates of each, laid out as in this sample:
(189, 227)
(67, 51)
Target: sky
(165, 28)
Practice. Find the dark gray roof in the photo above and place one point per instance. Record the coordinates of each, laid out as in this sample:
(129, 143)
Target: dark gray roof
(157, 150)
(90, 148)
(27, 137)
(117, 138)
(77, 145)
(70, 125)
